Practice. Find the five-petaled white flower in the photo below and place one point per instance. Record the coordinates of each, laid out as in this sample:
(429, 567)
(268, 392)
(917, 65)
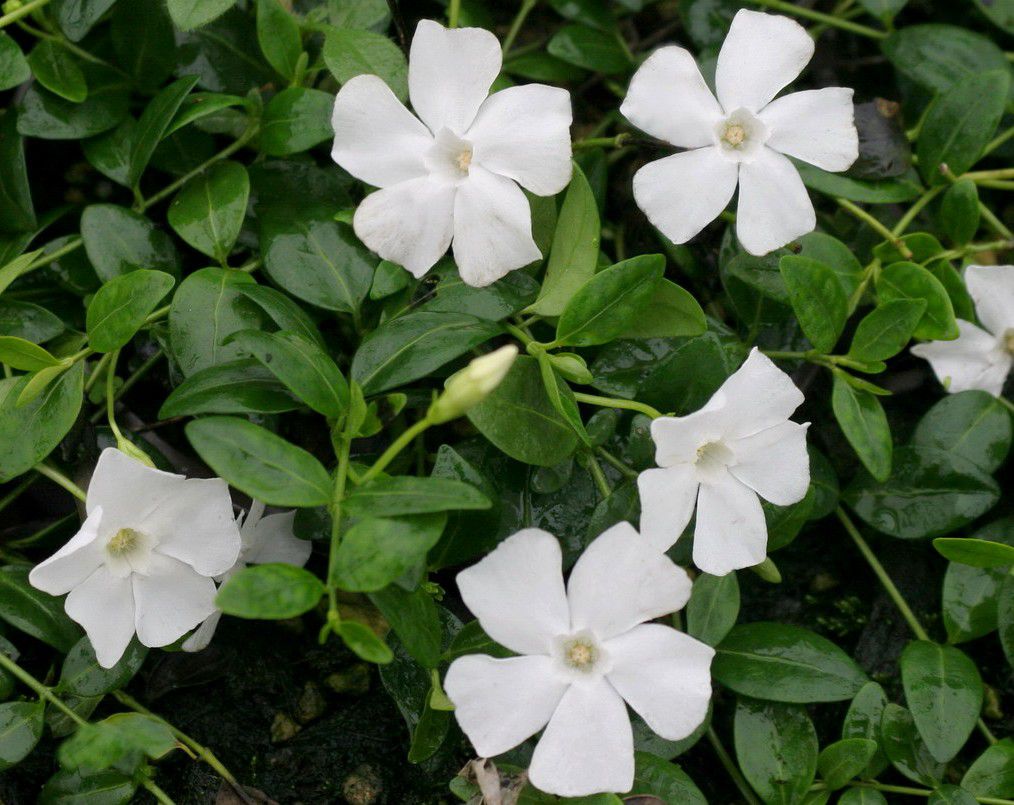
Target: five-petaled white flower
(742, 137)
(453, 172)
(980, 357)
(741, 444)
(145, 556)
(585, 650)
(265, 539)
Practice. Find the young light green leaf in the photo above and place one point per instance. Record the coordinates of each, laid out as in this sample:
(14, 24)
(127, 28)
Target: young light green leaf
(862, 420)
(884, 331)
(364, 643)
(190, 14)
(208, 212)
(377, 550)
(975, 552)
(841, 761)
(21, 354)
(270, 592)
(295, 120)
(278, 35)
(349, 52)
(905, 280)
(119, 308)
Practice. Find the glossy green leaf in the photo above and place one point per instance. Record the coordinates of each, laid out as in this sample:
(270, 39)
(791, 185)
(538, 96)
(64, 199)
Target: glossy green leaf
(776, 746)
(20, 730)
(208, 212)
(713, 607)
(841, 761)
(939, 56)
(959, 211)
(21, 354)
(119, 308)
(241, 386)
(415, 619)
(109, 153)
(992, 773)
(14, 67)
(657, 777)
(189, 14)
(349, 52)
(260, 463)
(152, 124)
(670, 312)
(295, 120)
(198, 105)
(951, 795)
(863, 721)
(906, 749)
(408, 495)
(817, 298)
(972, 425)
(886, 330)
(283, 311)
(862, 420)
(54, 67)
(47, 116)
(974, 552)
(377, 550)
(77, 17)
(119, 241)
(278, 35)
(862, 796)
(780, 662)
(82, 675)
(560, 395)
(364, 643)
(28, 321)
(910, 281)
(81, 787)
(34, 612)
(589, 48)
(883, 191)
(17, 213)
(121, 737)
(944, 694)
(270, 592)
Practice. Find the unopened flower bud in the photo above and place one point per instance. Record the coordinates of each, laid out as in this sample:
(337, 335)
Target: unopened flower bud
(572, 367)
(472, 384)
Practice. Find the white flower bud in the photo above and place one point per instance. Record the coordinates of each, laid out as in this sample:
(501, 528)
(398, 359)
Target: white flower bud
(472, 384)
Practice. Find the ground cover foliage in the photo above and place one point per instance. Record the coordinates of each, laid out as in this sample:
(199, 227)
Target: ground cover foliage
(180, 278)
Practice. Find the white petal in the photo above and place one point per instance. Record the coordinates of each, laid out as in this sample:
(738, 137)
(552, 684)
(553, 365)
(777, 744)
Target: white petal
(201, 638)
(270, 539)
(667, 503)
(774, 208)
(816, 126)
(757, 396)
(622, 580)
(974, 360)
(197, 526)
(170, 602)
(683, 193)
(678, 437)
(668, 99)
(523, 133)
(664, 675)
(517, 592)
(730, 531)
(774, 463)
(73, 563)
(409, 223)
(500, 702)
(450, 73)
(376, 138)
(492, 228)
(127, 490)
(104, 606)
(762, 54)
(588, 746)
(992, 290)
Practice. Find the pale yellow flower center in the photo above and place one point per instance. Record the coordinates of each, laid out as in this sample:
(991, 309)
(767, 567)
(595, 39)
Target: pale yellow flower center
(464, 160)
(580, 654)
(734, 135)
(124, 541)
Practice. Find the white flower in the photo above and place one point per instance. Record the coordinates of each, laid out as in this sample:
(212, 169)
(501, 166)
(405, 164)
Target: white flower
(980, 357)
(584, 651)
(265, 539)
(743, 136)
(145, 556)
(741, 444)
(470, 386)
(455, 174)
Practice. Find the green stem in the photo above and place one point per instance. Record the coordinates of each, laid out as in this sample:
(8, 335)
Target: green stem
(453, 12)
(996, 184)
(875, 225)
(24, 11)
(779, 355)
(975, 248)
(93, 378)
(998, 226)
(399, 444)
(827, 19)
(914, 210)
(997, 141)
(611, 402)
(111, 397)
(337, 496)
(58, 477)
(44, 532)
(519, 20)
(519, 333)
(999, 173)
(15, 493)
(160, 795)
(41, 690)
(919, 792)
(602, 142)
(595, 471)
(731, 768)
(613, 461)
(1008, 403)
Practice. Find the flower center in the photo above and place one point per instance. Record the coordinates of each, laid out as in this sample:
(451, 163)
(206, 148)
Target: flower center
(450, 156)
(734, 134)
(129, 551)
(580, 654)
(124, 542)
(740, 135)
(464, 160)
(713, 456)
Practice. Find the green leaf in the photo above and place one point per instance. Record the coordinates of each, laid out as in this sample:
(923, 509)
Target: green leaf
(77, 17)
(16, 211)
(144, 42)
(817, 298)
(495, 302)
(939, 56)
(609, 302)
(49, 117)
(973, 425)
(409, 495)
(119, 241)
(776, 746)
(960, 122)
(377, 550)
(317, 260)
(670, 312)
(14, 67)
(198, 105)
(80, 787)
(278, 35)
(31, 431)
(20, 729)
(862, 420)
(589, 48)
(411, 346)
(959, 211)
(944, 694)
(1001, 13)
(28, 321)
(951, 795)
(560, 395)
(883, 191)
(519, 418)
(109, 153)
(884, 9)
(929, 493)
(780, 662)
(713, 607)
(910, 281)
(364, 643)
(657, 777)
(260, 463)
(886, 330)
(295, 120)
(415, 619)
(906, 749)
(974, 552)
(207, 308)
(190, 14)
(242, 386)
(34, 612)
(837, 256)
(349, 52)
(862, 796)
(83, 676)
(1005, 618)
(270, 592)
(863, 721)
(21, 354)
(575, 251)
(152, 125)
(119, 308)
(208, 212)
(992, 773)
(122, 737)
(55, 68)
(841, 761)
(283, 312)
(302, 366)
